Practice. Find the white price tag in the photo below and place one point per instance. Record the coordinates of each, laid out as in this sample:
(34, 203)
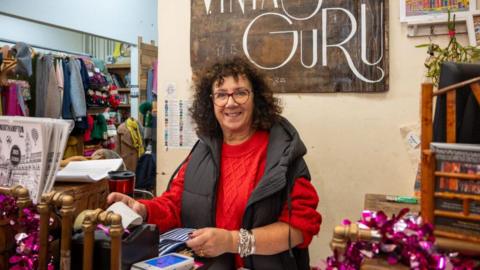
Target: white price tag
(413, 140)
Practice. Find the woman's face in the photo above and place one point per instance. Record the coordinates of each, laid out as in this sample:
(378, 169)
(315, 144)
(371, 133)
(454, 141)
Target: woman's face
(234, 118)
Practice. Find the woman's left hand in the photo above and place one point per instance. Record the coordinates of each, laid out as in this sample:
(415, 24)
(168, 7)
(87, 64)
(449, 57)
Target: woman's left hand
(211, 242)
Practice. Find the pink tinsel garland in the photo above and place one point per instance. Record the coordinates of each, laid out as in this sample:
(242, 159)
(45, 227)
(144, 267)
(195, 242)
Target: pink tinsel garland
(404, 240)
(27, 236)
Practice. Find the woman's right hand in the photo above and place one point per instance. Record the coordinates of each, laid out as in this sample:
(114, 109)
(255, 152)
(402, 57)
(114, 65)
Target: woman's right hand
(139, 208)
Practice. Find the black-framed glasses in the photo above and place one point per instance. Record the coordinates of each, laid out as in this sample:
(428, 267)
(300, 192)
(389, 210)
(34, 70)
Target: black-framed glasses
(240, 96)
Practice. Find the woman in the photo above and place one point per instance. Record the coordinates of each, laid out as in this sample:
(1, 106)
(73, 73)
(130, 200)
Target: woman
(245, 186)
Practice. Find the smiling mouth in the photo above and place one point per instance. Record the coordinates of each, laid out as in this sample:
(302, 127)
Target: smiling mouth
(233, 114)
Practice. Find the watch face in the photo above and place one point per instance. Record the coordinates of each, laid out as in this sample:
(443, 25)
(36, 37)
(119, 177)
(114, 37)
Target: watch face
(165, 261)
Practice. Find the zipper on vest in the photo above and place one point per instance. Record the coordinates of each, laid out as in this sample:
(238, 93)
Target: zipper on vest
(214, 193)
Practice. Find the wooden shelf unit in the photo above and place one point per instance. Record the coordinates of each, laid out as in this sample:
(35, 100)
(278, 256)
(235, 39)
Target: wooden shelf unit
(118, 66)
(429, 170)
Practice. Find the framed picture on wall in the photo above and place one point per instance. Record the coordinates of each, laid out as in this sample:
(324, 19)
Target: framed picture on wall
(473, 27)
(420, 11)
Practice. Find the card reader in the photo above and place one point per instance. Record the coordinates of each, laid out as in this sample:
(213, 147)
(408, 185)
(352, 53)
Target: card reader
(172, 261)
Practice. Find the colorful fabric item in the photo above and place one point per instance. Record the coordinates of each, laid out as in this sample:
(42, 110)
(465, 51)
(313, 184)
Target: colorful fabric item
(21, 101)
(137, 140)
(10, 101)
(100, 64)
(99, 131)
(173, 240)
(88, 132)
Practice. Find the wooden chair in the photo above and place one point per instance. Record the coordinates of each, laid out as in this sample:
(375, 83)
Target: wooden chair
(428, 170)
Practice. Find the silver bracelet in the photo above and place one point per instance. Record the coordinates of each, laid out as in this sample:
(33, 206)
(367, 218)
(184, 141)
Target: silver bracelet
(246, 243)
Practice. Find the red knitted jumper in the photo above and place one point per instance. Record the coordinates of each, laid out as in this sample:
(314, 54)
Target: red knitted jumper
(242, 167)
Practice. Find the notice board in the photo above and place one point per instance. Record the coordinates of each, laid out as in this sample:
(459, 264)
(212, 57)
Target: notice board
(302, 45)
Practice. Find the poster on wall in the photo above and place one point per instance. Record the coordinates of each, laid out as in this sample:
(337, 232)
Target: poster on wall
(433, 10)
(302, 46)
(179, 130)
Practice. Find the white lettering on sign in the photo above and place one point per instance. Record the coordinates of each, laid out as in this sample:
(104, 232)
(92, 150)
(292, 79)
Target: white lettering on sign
(297, 35)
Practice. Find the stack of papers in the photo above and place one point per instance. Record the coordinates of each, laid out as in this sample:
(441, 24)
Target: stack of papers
(30, 152)
(88, 170)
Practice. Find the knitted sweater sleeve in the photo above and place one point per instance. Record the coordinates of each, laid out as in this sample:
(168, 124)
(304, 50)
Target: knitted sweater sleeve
(165, 210)
(304, 215)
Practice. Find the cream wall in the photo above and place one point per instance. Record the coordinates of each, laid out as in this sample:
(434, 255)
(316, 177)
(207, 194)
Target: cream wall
(353, 140)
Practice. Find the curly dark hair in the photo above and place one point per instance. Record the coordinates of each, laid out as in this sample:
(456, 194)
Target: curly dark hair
(266, 110)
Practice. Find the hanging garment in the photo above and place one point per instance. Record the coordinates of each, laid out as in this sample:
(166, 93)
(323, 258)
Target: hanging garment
(150, 85)
(24, 59)
(99, 131)
(21, 101)
(155, 68)
(59, 73)
(53, 102)
(40, 86)
(80, 126)
(84, 74)
(32, 80)
(10, 101)
(145, 172)
(125, 148)
(467, 107)
(137, 139)
(77, 92)
(73, 148)
(100, 64)
(67, 101)
(48, 96)
(146, 110)
(88, 132)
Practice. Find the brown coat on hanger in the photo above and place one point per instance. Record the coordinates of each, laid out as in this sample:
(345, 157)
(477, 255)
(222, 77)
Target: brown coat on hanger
(125, 148)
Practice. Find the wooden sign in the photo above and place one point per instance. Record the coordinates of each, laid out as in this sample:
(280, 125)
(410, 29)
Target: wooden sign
(303, 46)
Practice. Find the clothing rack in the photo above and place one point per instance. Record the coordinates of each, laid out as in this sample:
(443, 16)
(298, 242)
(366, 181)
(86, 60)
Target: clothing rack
(46, 48)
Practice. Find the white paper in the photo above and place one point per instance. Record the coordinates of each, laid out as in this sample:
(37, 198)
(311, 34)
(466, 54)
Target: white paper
(63, 130)
(179, 130)
(413, 139)
(89, 170)
(129, 217)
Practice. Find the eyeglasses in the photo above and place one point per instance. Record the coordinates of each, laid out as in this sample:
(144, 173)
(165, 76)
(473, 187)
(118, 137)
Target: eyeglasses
(240, 96)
